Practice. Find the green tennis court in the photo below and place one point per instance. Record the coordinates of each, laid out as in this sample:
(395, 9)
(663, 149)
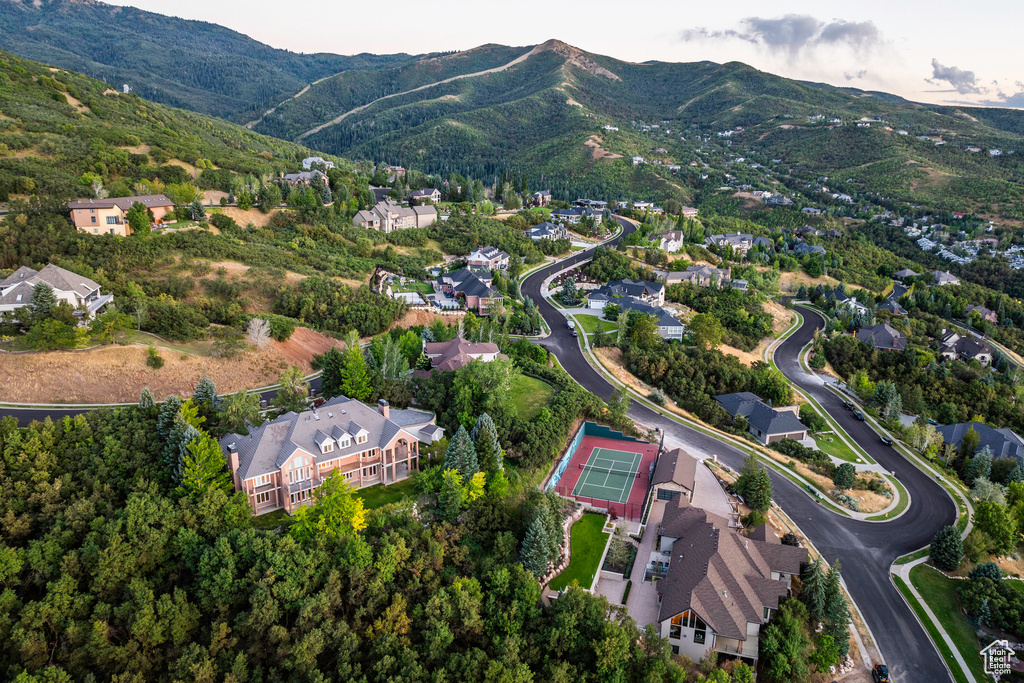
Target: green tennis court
(608, 475)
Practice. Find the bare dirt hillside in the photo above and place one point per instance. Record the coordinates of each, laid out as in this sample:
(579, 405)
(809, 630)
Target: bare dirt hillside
(118, 373)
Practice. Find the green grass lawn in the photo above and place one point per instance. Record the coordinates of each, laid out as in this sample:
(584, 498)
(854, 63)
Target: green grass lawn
(421, 287)
(586, 543)
(272, 520)
(379, 496)
(944, 650)
(940, 594)
(530, 395)
(836, 447)
(589, 323)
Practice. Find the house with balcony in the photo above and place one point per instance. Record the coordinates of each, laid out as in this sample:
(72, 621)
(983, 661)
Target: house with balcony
(475, 287)
(107, 216)
(490, 258)
(741, 242)
(279, 464)
(388, 216)
(720, 587)
(78, 291)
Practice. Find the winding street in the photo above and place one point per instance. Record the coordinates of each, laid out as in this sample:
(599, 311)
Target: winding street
(865, 549)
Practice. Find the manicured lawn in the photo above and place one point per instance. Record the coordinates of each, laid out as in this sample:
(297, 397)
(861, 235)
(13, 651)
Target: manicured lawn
(589, 323)
(379, 496)
(530, 396)
(586, 543)
(421, 287)
(836, 448)
(940, 594)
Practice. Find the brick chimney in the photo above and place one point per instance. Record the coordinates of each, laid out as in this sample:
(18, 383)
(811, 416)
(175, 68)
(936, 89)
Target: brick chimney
(233, 462)
(385, 408)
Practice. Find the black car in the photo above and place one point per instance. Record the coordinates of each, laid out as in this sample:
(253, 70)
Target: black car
(880, 673)
(887, 441)
(859, 415)
(848, 404)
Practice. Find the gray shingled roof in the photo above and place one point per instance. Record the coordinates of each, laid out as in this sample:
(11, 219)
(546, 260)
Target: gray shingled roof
(1002, 442)
(268, 447)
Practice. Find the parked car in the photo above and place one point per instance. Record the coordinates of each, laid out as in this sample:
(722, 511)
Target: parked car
(887, 441)
(859, 415)
(880, 673)
(848, 404)
(574, 333)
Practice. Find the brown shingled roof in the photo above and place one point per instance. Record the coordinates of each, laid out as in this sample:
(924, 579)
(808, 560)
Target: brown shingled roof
(676, 466)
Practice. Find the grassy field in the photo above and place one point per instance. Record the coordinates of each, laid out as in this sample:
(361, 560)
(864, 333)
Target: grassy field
(586, 543)
(589, 323)
(940, 594)
(272, 520)
(530, 395)
(837, 448)
(379, 496)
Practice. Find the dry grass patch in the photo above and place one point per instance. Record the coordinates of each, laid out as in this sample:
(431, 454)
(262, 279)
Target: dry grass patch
(594, 142)
(116, 374)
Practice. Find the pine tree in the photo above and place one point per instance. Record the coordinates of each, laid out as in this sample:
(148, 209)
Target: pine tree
(759, 491)
(43, 300)
(355, 375)
(202, 468)
(452, 496)
(534, 553)
(176, 446)
(837, 614)
(553, 524)
(946, 549)
(813, 591)
(330, 377)
(205, 392)
(146, 401)
(169, 410)
(488, 449)
(461, 455)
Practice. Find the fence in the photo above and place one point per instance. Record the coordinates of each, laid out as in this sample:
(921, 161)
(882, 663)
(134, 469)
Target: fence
(628, 511)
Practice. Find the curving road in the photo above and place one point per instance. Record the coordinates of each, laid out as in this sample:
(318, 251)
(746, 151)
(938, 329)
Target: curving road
(865, 549)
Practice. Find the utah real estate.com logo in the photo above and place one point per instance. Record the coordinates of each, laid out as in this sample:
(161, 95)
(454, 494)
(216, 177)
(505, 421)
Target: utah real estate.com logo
(997, 658)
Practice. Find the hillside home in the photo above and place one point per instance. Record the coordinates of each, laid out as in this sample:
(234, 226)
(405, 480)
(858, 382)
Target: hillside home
(671, 241)
(741, 242)
(429, 194)
(542, 198)
(107, 216)
(78, 291)
(987, 314)
(280, 464)
(688, 212)
(309, 163)
(953, 345)
(905, 273)
(669, 327)
(883, 337)
(575, 214)
(652, 293)
(892, 306)
(803, 249)
(1002, 443)
(490, 258)
(702, 276)
(451, 355)
(547, 231)
(474, 287)
(766, 423)
(720, 587)
(944, 277)
(388, 216)
(306, 178)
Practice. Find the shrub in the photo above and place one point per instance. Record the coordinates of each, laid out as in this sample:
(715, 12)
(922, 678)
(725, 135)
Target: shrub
(154, 359)
(946, 549)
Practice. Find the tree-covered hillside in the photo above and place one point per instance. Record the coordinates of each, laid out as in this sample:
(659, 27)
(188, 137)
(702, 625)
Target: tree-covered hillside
(191, 64)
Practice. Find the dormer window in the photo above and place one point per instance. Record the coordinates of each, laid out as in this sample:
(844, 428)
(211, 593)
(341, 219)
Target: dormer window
(361, 438)
(346, 442)
(327, 447)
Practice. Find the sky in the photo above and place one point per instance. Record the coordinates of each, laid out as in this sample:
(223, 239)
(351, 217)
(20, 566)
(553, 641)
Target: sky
(937, 51)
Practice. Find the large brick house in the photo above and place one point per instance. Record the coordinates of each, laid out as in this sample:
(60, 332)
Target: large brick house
(107, 216)
(279, 464)
(474, 286)
(388, 216)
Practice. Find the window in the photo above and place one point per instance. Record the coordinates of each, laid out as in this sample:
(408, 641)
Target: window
(675, 649)
(350, 475)
(299, 470)
(93, 219)
(370, 471)
(299, 497)
(699, 637)
(361, 438)
(263, 498)
(346, 442)
(264, 479)
(111, 220)
(327, 447)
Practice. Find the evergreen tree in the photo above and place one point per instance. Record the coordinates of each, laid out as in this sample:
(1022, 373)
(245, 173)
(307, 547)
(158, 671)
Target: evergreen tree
(600, 337)
(488, 449)
(43, 300)
(146, 401)
(355, 374)
(205, 392)
(980, 466)
(176, 447)
(813, 592)
(330, 378)
(534, 553)
(844, 476)
(202, 468)
(946, 549)
(461, 454)
(553, 523)
(452, 495)
(837, 614)
(759, 491)
(167, 415)
(239, 410)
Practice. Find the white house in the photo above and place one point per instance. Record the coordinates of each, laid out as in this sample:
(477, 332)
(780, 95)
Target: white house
(78, 291)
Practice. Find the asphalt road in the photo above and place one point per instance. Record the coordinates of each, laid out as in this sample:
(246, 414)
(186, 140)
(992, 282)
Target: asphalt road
(28, 415)
(865, 549)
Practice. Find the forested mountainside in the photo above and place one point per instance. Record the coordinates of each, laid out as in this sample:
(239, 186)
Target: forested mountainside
(191, 64)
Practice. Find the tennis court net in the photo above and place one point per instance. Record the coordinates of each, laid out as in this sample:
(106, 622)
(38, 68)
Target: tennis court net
(609, 470)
